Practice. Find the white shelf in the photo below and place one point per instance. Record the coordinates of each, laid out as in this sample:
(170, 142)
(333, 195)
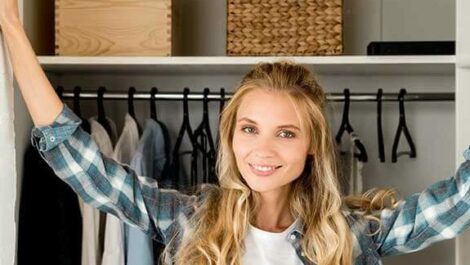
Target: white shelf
(356, 65)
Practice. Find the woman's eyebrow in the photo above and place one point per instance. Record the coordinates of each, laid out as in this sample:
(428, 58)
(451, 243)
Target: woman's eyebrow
(280, 126)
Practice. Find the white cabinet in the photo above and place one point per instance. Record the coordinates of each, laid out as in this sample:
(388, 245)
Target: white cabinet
(441, 130)
(462, 84)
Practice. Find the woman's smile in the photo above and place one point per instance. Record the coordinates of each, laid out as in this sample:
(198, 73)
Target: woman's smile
(262, 170)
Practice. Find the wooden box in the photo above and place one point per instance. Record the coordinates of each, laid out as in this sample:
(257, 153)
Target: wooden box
(113, 27)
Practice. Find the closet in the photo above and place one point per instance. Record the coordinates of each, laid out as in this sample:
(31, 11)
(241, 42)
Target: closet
(440, 129)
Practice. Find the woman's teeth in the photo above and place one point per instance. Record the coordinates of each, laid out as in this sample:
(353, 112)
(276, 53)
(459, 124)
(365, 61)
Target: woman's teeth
(261, 168)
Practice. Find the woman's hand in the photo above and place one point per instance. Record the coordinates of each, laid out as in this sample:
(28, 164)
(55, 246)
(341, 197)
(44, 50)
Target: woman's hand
(8, 10)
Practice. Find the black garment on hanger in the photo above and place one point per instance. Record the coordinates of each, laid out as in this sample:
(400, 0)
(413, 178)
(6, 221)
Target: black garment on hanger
(402, 127)
(50, 222)
(346, 126)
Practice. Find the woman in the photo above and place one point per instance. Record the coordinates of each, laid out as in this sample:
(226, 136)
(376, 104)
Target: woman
(278, 201)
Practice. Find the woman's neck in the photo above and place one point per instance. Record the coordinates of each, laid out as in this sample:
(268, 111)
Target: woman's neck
(274, 214)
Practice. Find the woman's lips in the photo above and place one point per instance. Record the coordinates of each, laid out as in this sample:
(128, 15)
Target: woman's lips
(263, 172)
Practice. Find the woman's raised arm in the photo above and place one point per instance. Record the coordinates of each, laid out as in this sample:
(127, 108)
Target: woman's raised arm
(42, 102)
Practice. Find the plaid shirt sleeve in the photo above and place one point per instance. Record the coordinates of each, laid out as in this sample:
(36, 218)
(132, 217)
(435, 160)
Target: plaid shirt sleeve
(104, 183)
(440, 212)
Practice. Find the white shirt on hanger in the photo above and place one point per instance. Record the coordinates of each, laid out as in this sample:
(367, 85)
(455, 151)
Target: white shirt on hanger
(268, 248)
(114, 235)
(91, 247)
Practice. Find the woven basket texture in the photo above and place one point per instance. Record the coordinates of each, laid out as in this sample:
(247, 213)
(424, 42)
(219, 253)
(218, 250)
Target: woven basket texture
(284, 27)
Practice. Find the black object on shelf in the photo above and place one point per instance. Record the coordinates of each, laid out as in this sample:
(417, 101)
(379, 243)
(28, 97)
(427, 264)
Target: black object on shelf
(411, 48)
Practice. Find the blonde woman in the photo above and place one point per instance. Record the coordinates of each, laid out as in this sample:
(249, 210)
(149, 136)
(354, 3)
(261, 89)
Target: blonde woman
(278, 201)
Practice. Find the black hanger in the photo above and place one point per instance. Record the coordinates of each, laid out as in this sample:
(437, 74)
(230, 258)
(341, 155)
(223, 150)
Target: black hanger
(402, 127)
(76, 108)
(60, 91)
(76, 100)
(221, 108)
(204, 141)
(130, 101)
(101, 114)
(379, 125)
(153, 107)
(185, 127)
(222, 100)
(130, 107)
(346, 126)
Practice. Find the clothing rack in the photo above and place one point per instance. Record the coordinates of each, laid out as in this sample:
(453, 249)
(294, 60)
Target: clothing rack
(122, 95)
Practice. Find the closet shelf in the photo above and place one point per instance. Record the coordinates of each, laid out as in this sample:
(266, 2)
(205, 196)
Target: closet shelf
(355, 65)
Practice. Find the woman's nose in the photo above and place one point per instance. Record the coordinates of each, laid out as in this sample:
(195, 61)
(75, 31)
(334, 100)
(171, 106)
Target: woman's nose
(264, 148)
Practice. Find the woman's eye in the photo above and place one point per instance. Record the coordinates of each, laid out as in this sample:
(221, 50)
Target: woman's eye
(287, 134)
(248, 129)
(283, 134)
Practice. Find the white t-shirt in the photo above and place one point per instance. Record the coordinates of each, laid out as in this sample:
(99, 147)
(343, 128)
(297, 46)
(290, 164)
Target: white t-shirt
(269, 248)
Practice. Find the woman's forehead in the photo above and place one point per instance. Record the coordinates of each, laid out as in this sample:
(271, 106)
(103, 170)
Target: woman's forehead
(263, 106)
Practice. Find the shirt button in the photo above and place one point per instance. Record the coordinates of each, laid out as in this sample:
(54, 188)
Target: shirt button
(52, 138)
(292, 237)
(302, 254)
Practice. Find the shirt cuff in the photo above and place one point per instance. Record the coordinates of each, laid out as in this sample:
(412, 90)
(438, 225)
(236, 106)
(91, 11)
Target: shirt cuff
(45, 138)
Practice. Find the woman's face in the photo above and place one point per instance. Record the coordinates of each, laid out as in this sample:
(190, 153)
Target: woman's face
(269, 146)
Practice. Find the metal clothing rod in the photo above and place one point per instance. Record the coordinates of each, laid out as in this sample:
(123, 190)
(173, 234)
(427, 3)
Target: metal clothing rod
(120, 95)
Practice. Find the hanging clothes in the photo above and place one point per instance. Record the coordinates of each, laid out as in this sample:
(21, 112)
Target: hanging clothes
(93, 220)
(124, 150)
(149, 160)
(166, 179)
(351, 166)
(49, 210)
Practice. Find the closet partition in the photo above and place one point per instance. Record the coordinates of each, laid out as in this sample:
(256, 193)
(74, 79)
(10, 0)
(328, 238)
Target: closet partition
(8, 181)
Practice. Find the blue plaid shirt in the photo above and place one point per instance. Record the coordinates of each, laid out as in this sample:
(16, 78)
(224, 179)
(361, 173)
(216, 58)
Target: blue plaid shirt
(436, 214)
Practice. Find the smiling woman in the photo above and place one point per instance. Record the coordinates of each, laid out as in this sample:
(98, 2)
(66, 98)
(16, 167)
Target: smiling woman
(276, 168)
(278, 201)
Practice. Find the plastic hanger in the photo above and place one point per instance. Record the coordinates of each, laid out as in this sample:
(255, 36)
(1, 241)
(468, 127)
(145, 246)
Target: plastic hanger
(185, 127)
(153, 106)
(402, 127)
(60, 91)
(379, 125)
(76, 108)
(76, 100)
(346, 126)
(101, 114)
(130, 107)
(222, 100)
(204, 141)
(204, 127)
(221, 108)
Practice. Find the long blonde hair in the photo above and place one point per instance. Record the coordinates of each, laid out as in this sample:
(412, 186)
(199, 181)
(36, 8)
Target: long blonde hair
(216, 231)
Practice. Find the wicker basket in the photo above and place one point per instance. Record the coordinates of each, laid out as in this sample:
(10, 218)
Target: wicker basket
(284, 27)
